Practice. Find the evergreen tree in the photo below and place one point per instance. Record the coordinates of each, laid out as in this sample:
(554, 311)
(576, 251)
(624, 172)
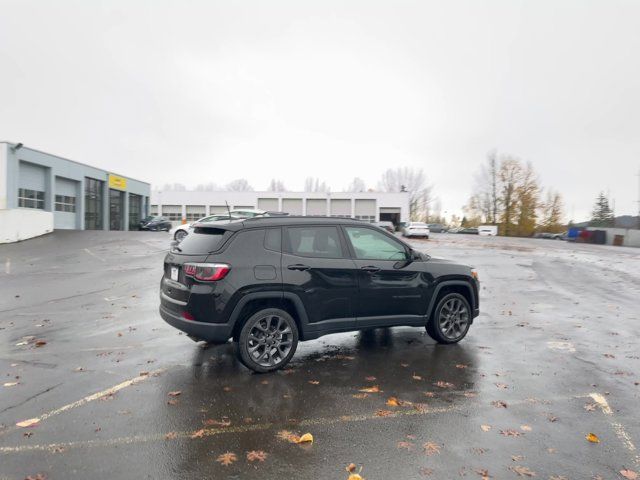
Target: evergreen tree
(602, 215)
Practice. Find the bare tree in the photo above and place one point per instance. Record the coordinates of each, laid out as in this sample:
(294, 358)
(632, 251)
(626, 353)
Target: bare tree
(357, 185)
(486, 201)
(409, 179)
(315, 185)
(239, 185)
(207, 187)
(276, 186)
(175, 187)
(551, 212)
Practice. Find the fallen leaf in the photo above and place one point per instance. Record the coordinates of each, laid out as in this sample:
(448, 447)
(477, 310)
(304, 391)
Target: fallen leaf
(431, 448)
(258, 455)
(226, 458)
(40, 343)
(355, 476)
(360, 395)
(629, 474)
(393, 402)
(558, 477)
(503, 386)
(461, 365)
(383, 413)
(10, 384)
(485, 428)
(405, 445)
(209, 422)
(374, 389)
(510, 433)
(28, 423)
(499, 404)
(171, 436)
(590, 407)
(525, 428)
(175, 394)
(351, 468)
(198, 433)
(593, 438)
(314, 382)
(483, 473)
(416, 377)
(306, 438)
(442, 384)
(522, 471)
(517, 458)
(287, 435)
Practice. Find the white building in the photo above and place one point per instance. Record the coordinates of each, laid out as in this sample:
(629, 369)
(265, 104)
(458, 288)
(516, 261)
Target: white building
(187, 206)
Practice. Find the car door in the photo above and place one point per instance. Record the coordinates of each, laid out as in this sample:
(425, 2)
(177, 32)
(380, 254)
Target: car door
(393, 287)
(317, 268)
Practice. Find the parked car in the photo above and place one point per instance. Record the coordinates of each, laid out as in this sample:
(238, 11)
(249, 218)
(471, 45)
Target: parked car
(437, 228)
(472, 231)
(488, 230)
(388, 226)
(155, 223)
(549, 235)
(416, 229)
(247, 212)
(182, 231)
(271, 282)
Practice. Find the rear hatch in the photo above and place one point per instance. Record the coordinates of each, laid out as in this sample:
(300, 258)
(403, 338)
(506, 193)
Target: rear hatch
(195, 248)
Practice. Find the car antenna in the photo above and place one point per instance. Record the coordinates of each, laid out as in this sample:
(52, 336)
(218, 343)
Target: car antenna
(228, 209)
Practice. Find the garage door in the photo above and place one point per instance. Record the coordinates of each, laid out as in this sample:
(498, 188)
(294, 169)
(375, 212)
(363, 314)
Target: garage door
(66, 204)
(340, 207)
(366, 210)
(316, 206)
(217, 209)
(195, 212)
(268, 204)
(31, 185)
(292, 206)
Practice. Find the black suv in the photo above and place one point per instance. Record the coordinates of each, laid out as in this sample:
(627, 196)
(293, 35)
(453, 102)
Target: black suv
(268, 282)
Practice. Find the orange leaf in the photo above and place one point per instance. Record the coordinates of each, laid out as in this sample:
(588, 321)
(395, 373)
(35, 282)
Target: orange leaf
(629, 474)
(306, 438)
(593, 438)
(374, 389)
(28, 423)
(258, 455)
(227, 458)
(198, 434)
(393, 402)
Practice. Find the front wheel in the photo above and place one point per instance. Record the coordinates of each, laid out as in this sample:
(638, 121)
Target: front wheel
(179, 235)
(451, 319)
(268, 340)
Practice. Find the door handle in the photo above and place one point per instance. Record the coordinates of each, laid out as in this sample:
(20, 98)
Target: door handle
(371, 269)
(299, 267)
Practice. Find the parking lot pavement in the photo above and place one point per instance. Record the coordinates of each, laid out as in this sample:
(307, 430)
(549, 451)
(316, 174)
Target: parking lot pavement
(115, 393)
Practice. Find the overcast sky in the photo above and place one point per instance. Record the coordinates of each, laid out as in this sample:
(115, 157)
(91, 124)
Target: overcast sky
(194, 92)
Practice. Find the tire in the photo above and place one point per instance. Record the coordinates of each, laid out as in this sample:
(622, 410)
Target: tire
(179, 235)
(273, 326)
(441, 321)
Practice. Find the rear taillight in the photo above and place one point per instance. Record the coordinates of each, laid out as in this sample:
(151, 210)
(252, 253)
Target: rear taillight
(206, 272)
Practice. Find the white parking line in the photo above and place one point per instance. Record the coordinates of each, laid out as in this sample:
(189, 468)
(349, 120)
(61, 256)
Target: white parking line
(85, 400)
(617, 427)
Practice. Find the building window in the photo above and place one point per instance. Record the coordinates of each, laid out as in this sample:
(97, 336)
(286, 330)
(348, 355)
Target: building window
(341, 216)
(153, 211)
(366, 218)
(93, 204)
(65, 203)
(173, 217)
(30, 198)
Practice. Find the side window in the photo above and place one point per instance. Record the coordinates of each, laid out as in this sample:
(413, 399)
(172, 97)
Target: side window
(273, 239)
(319, 242)
(369, 244)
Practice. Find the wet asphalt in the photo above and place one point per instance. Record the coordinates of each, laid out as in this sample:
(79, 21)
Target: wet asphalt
(553, 357)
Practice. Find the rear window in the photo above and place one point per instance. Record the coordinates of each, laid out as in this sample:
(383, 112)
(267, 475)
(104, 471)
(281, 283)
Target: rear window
(203, 240)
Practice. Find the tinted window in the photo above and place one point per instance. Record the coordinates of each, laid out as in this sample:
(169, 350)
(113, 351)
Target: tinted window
(203, 240)
(273, 239)
(369, 244)
(322, 242)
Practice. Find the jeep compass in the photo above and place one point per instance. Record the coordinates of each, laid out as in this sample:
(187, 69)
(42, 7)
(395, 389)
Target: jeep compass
(270, 282)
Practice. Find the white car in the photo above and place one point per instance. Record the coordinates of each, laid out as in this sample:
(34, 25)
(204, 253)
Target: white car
(416, 229)
(182, 231)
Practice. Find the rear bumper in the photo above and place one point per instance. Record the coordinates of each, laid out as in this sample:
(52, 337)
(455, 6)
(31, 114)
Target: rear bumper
(211, 332)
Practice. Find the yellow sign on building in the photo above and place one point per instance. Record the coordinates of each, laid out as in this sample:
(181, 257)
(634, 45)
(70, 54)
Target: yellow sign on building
(119, 183)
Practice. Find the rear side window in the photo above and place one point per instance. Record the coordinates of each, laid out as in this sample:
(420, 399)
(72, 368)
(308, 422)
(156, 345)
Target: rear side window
(317, 242)
(203, 240)
(273, 239)
(369, 244)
